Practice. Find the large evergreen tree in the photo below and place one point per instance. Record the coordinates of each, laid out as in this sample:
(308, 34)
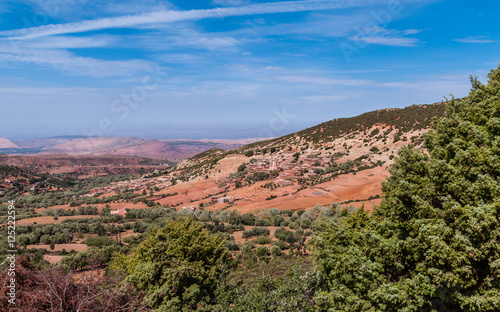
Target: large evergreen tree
(434, 243)
(178, 266)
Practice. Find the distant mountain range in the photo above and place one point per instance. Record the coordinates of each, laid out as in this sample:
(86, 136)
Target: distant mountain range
(124, 146)
(403, 121)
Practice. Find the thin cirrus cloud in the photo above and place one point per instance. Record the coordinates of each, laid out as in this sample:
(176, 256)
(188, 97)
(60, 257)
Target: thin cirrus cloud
(388, 37)
(67, 42)
(170, 16)
(324, 81)
(323, 98)
(476, 39)
(230, 2)
(390, 41)
(68, 62)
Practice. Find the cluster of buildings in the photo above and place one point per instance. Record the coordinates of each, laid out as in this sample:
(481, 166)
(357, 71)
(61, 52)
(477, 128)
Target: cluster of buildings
(289, 172)
(262, 166)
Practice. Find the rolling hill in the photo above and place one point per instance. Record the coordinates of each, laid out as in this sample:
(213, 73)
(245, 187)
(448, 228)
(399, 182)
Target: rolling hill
(342, 161)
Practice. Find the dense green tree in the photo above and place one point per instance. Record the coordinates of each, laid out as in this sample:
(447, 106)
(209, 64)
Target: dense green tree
(434, 243)
(292, 293)
(178, 266)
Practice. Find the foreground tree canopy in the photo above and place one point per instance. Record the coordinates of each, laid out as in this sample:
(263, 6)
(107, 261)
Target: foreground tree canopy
(178, 266)
(434, 243)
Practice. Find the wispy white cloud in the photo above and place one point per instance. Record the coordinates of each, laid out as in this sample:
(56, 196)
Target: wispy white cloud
(121, 7)
(131, 21)
(316, 26)
(388, 41)
(74, 9)
(68, 42)
(187, 37)
(388, 37)
(54, 91)
(210, 43)
(68, 62)
(324, 81)
(323, 98)
(176, 58)
(230, 2)
(476, 39)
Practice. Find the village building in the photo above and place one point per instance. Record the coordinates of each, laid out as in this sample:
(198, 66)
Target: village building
(214, 199)
(122, 212)
(225, 200)
(191, 208)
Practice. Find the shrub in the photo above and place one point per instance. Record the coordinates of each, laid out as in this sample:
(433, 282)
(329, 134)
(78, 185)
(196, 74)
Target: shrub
(305, 223)
(99, 241)
(275, 251)
(271, 197)
(262, 240)
(261, 251)
(255, 231)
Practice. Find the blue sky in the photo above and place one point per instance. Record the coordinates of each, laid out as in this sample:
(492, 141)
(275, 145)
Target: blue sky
(231, 68)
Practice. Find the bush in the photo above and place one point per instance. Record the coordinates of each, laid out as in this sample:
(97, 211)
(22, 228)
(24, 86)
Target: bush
(261, 251)
(275, 251)
(263, 222)
(255, 231)
(242, 167)
(99, 241)
(248, 219)
(294, 225)
(281, 244)
(271, 197)
(374, 132)
(262, 240)
(281, 233)
(305, 223)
